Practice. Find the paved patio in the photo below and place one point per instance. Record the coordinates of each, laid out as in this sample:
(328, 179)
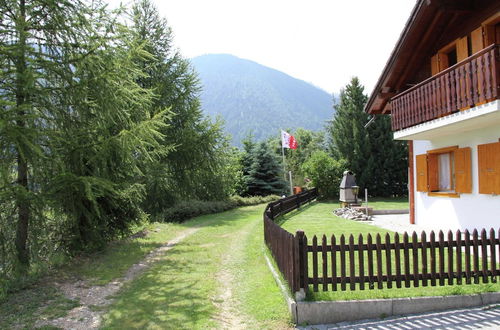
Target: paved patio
(486, 317)
(401, 223)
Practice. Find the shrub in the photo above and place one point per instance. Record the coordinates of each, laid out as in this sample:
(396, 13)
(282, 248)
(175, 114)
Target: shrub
(185, 210)
(325, 173)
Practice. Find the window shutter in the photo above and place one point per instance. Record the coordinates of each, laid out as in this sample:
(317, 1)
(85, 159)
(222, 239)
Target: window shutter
(432, 172)
(477, 40)
(421, 162)
(463, 172)
(434, 64)
(489, 168)
(462, 49)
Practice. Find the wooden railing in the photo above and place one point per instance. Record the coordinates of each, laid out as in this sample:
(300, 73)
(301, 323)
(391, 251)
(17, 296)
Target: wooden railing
(283, 245)
(468, 83)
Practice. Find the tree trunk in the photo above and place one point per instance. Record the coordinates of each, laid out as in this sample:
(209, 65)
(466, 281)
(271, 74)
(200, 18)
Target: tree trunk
(23, 208)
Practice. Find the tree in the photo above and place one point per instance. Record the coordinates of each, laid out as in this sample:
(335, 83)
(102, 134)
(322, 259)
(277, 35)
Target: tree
(192, 165)
(308, 142)
(265, 173)
(378, 161)
(389, 160)
(325, 173)
(73, 132)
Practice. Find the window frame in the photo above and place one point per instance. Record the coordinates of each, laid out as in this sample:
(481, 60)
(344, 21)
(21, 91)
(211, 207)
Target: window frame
(427, 171)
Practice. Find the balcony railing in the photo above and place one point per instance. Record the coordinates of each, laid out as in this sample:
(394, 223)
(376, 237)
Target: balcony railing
(469, 83)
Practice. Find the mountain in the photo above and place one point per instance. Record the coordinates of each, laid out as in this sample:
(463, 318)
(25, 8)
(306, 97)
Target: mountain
(254, 98)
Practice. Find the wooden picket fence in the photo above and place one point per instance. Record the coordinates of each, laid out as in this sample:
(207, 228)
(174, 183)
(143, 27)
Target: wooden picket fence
(461, 258)
(348, 264)
(284, 246)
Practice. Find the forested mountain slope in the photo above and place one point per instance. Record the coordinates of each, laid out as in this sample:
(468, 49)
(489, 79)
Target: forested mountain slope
(254, 98)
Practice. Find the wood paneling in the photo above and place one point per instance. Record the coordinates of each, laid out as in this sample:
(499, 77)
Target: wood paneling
(421, 164)
(489, 168)
(463, 171)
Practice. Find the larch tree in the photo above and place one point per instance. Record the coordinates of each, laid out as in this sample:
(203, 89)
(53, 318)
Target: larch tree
(197, 149)
(72, 129)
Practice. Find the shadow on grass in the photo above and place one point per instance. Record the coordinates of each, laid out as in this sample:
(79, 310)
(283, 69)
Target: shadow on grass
(171, 294)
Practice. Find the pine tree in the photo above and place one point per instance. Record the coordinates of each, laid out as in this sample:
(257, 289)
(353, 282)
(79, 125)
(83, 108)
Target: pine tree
(379, 162)
(265, 173)
(348, 138)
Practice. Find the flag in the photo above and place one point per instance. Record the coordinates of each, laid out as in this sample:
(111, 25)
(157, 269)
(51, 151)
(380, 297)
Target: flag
(288, 141)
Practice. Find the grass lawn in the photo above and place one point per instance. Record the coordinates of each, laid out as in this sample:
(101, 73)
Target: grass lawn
(318, 219)
(182, 290)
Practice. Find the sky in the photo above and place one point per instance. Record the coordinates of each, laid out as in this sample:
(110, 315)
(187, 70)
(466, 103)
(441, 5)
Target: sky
(324, 42)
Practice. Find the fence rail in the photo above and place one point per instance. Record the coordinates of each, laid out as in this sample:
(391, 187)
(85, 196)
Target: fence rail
(401, 260)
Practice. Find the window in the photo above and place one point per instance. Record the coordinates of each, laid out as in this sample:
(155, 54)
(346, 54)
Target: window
(488, 156)
(445, 171)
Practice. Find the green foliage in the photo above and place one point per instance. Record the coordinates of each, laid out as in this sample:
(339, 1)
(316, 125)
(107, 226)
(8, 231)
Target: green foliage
(264, 177)
(196, 161)
(325, 173)
(185, 210)
(309, 142)
(379, 162)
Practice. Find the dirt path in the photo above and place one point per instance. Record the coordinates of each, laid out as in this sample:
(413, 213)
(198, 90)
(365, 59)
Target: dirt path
(93, 298)
(229, 317)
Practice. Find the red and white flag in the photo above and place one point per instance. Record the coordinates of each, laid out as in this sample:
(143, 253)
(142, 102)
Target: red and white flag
(288, 141)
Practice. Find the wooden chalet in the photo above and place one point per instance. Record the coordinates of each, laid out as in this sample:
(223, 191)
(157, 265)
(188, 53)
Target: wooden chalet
(441, 87)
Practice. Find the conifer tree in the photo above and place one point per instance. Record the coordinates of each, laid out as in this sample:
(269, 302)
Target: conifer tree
(348, 138)
(196, 150)
(265, 176)
(72, 126)
(379, 162)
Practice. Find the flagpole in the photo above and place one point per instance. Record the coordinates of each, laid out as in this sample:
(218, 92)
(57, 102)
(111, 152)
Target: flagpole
(283, 153)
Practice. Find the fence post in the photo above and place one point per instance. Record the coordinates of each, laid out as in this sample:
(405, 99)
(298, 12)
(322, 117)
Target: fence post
(301, 266)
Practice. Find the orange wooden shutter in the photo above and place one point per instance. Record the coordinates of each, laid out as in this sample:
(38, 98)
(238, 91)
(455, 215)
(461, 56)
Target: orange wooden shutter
(443, 61)
(463, 172)
(489, 168)
(462, 49)
(477, 42)
(432, 172)
(421, 163)
(434, 64)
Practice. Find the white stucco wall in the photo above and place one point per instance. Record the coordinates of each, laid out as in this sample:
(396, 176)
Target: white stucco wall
(469, 211)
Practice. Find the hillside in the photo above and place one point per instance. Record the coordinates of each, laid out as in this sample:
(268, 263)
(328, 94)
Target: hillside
(254, 98)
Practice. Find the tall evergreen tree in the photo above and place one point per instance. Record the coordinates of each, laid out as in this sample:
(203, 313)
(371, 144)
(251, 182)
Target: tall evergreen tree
(379, 162)
(71, 121)
(194, 167)
(348, 138)
(265, 176)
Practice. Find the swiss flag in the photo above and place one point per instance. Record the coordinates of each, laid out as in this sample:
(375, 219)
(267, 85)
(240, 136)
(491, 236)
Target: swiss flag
(288, 141)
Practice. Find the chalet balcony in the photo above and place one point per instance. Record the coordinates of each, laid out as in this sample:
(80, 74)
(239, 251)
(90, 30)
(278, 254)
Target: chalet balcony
(469, 83)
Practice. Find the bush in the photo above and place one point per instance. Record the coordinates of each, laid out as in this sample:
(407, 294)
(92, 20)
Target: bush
(253, 200)
(183, 211)
(325, 173)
